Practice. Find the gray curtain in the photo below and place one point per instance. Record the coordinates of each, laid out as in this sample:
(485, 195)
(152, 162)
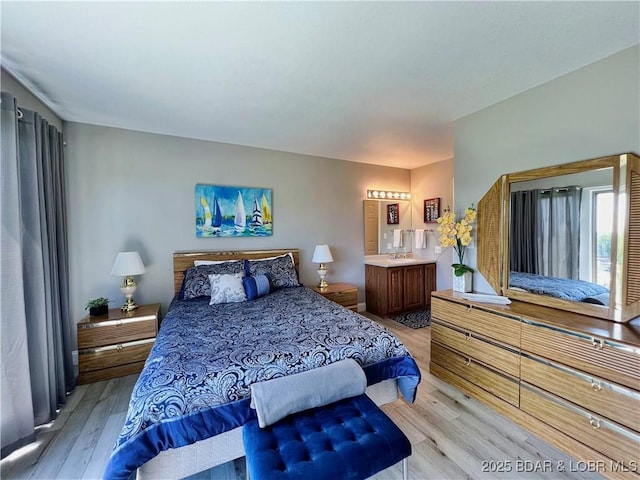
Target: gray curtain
(545, 232)
(523, 247)
(558, 220)
(37, 365)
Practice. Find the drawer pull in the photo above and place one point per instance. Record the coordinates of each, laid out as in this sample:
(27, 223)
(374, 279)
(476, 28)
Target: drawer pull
(467, 361)
(468, 336)
(596, 386)
(119, 323)
(597, 343)
(469, 307)
(119, 348)
(595, 423)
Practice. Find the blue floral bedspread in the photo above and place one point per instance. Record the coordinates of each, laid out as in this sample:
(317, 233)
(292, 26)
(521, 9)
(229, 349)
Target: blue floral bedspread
(196, 381)
(575, 290)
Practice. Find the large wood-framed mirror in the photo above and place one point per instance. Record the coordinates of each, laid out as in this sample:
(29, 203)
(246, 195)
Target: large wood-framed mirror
(566, 236)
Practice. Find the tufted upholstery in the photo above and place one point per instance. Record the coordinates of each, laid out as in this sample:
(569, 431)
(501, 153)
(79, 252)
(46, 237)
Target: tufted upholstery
(349, 439)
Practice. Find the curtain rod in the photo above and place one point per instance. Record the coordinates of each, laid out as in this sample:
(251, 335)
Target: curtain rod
(560, 189)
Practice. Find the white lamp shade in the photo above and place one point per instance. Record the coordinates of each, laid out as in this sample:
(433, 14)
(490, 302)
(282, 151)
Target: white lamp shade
(128, 263)
(322, 254)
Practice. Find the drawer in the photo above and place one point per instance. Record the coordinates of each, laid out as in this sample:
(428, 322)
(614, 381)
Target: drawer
(609, 438)
(346, 298)
(472, 390)
(108, 373)
(501, 327)
(475, 347)
(602, 358)
(613, 401)
(498, 384)
(116, 331)
(114, 355)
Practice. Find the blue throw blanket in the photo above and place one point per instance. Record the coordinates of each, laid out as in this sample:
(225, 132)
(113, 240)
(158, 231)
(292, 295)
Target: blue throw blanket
(197, 380)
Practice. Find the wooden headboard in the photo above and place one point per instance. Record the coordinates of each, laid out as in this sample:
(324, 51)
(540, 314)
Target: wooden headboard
(184, 260)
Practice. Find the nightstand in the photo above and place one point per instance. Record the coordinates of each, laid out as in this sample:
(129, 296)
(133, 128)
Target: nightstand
(343, 293)
(117, 343)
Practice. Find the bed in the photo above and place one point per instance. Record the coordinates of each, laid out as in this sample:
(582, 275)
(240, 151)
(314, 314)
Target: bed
(565, 289)
(193, 394)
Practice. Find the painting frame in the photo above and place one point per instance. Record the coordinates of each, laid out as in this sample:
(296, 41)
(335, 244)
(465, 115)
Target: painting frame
(233, 211)
(431, 210)
(393, 214)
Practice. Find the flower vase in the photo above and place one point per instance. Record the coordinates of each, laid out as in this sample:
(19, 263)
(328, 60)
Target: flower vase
(463, 283)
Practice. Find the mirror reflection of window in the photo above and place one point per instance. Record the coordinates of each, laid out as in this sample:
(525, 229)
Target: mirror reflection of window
(601, 251)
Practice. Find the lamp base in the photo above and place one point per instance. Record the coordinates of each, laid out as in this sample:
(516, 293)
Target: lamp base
(129, 305)
(128, 288)
(322, 271)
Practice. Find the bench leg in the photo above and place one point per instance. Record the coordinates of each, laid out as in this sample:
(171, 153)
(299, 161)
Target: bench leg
(405, 469)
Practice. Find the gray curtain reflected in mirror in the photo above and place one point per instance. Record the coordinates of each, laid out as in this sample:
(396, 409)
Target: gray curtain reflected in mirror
(545, 232)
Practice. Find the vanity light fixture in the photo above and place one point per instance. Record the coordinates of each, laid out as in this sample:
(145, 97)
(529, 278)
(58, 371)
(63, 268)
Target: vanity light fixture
(386, 194)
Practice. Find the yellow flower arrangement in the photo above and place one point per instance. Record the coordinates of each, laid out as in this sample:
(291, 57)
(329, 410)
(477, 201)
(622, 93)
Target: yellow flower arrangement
(457, 235)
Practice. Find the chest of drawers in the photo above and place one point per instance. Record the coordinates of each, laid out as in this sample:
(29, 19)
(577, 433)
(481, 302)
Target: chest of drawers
(115, 344)
(570, 379)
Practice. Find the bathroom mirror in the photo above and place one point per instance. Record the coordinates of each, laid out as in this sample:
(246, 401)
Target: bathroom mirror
(560, 237)
(380, 230)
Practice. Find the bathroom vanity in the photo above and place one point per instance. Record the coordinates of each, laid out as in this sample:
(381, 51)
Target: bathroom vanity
(397, 285)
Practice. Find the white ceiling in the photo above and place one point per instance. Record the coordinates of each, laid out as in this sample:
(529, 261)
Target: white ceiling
(375, 82)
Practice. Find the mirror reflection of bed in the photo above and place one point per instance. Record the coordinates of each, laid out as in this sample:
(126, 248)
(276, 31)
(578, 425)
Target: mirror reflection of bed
(560, 236)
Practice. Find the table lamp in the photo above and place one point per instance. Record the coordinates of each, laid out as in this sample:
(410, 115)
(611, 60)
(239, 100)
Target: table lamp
(127, 265)
(322, 255)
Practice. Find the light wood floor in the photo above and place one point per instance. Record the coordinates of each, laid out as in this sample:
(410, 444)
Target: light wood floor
(453, 437)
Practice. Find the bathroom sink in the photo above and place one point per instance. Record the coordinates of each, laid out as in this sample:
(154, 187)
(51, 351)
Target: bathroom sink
(400, 260)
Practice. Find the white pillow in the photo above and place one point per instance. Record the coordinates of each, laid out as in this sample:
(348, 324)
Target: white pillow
(227, 288)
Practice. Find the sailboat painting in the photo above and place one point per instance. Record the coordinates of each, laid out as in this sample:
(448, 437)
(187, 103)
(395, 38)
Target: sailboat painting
(225, 211)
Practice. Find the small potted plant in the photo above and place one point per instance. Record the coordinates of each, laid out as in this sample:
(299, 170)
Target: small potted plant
(97, 306)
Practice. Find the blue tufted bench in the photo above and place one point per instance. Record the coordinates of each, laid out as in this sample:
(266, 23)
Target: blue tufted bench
(349, 439)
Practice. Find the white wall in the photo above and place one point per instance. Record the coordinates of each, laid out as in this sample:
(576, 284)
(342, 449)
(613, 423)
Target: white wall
(134, 190)
(433, 181)
(591, 112)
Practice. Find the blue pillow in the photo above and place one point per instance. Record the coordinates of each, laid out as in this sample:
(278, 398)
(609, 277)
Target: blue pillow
(256, 286)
